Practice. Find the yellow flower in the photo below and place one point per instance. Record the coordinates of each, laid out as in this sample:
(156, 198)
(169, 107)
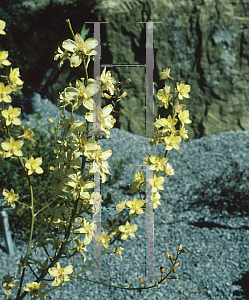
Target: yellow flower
(155, 199)
(87, 229)
(11, 115)
(8, 283)
(157, 163)
(118, 251)
(183, 90)
(3, 60)
(179, 107)
(60, 274)
(79, 185)
(164, 97)
(136, 206)
(139, 177)
(172, 141)
(169, 170)
(63, 55)
(28, 134)
(121, 206)
(13, 147)
(95, 200)
(33, 165)
(183, 132)
(127, 230)
(35, 289)
(14, 77)
(81, 94)
(4, 93)
(82, 144)
(165, 74)
(2, 26)
(107, 82)
(138, 180)
(168, 124)
(10, 197)
(184, 117)
(103, 120)
(156, 183)
(100, 164)
(102, 239)
(80, 48)
(14, 80)
(80, 247)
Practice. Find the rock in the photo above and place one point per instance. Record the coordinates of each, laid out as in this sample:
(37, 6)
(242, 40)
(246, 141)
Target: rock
(204, 43)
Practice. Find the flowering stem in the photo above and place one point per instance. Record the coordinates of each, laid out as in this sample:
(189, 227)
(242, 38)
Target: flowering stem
(125, 288)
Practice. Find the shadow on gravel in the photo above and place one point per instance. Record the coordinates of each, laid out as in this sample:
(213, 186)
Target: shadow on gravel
(229, 192)
(244, 283)
(202, 224)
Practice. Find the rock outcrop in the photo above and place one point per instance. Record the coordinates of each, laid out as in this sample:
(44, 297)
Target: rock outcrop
(204, 43)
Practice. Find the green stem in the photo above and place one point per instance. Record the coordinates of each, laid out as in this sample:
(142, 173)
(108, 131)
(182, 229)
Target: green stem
(31, 232)
(70, 26)
(85, 67)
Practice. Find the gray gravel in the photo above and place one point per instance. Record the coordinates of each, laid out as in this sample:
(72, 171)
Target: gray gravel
(217, 243)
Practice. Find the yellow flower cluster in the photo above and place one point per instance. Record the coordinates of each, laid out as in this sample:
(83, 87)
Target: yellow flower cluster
(166, 133)
(9, 117)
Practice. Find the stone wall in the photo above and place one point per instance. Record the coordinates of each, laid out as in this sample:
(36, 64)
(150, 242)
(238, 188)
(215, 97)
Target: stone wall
(205, 43)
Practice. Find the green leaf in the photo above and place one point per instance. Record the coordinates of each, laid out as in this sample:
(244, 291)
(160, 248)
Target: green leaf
(84, 31)
(36, 116)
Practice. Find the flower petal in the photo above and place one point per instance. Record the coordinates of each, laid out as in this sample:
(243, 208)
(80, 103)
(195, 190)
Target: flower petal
(69, 45)
(90, 43)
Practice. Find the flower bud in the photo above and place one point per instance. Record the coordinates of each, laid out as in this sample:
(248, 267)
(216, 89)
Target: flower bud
(51, 121)
(156, 283)
(123, 95)
(127, 80)
(163, 270)
(141, 293)
(107, 96)
(167, 255)
(180, 248)
(184, 250)
(174, 276)
(52, 168)
(121, 112)
(141, 280)
(176, 264)
(52, 131)
(164, 280)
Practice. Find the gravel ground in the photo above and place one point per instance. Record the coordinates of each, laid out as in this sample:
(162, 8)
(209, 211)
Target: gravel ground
(215, 265)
